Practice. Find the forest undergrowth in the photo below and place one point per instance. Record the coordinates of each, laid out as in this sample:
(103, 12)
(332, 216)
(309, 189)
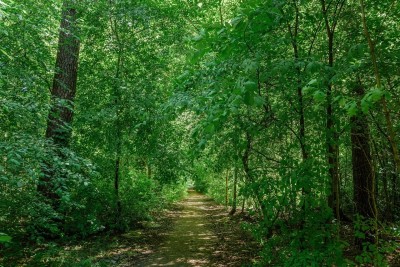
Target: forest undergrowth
(284, 111)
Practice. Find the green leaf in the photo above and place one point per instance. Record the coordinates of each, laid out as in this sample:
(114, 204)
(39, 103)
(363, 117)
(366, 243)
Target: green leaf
(210, 128)
(235, 21)
(199, 36)
(313, 67)
(5, 53)
(202, 143)
(351, 108)
(312, 82)
(371, 98)
(249, 85)
(249, 65)
(249, 98)
(376, 94)
(237, 101)
(258, 101)
(5, 238)
(319, 96)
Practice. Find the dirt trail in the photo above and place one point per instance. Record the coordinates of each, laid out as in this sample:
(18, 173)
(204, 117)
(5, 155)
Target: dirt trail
(196, 232)
(191, 241)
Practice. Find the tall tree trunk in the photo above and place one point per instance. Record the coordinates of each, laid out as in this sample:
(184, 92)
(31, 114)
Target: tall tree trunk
(384, 176)
(234, 197)
(294, 32)
(227, 189)
(331, 135)
(118, 149)
(118, 110)
(62, 93)
(388, 119)
(395, 195)
(363, 169)
(245, 160)
(116, 189)
(118, 144)
(148, 169)
(221, 15)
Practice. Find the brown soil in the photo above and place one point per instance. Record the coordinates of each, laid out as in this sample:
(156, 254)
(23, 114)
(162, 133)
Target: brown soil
(202, 235)
(195, 232)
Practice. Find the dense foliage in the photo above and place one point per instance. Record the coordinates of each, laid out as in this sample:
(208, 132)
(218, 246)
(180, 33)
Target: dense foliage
(287, 110)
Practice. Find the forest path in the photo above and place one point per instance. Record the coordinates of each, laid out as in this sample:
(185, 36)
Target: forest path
(191, 241)
(194, 232)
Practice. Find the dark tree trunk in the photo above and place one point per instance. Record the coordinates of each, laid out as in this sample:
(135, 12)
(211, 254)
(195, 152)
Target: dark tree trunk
(234, 198)
(332, 157)
(64, 82)
(331, 133)
(363, 173)
(227, 189)
(386, 111)
(118, 121)
(395, 195)
(294, 32)
(148, 169)
(363, 169)
(245, 160)
(62, 94)
(116, 190)
(118, 144)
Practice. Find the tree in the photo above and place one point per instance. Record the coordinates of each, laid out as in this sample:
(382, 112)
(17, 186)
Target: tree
(332, 139)
(63, 92)
(363, 169)
(388, 119)
(234, 194)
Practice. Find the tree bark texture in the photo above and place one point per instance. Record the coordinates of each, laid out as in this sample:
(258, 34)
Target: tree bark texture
(62, 94)
(363, 169)
(234, 197)
(65, 78)
(227, 189)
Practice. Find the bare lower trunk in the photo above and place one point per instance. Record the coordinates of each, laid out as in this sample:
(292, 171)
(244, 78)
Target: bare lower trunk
(234, 198)
(116, 190)
(227, 189)
(363, 169)
(255, 191)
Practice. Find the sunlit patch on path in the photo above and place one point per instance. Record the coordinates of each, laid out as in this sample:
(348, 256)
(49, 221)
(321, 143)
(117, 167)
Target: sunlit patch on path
(191, 241)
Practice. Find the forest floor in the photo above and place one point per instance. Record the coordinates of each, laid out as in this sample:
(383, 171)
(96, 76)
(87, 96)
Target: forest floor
(203, 235)
(194, 232)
